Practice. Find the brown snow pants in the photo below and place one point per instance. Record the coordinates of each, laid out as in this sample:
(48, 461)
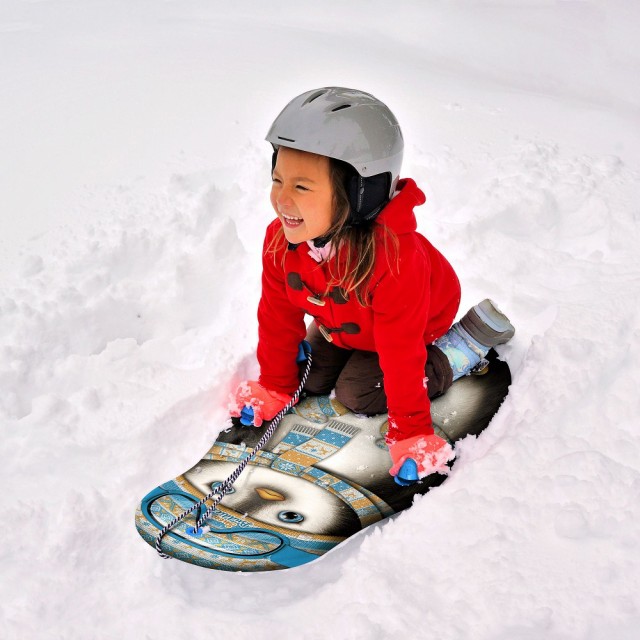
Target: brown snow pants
(357, 376)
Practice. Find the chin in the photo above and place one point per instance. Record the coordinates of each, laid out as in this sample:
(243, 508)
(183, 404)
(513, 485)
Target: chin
(295, 237)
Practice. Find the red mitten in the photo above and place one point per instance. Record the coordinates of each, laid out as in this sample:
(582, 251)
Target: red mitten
(266, 404)
(430, 452)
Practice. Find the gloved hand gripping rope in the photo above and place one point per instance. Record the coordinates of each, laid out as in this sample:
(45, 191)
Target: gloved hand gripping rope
(223, 488)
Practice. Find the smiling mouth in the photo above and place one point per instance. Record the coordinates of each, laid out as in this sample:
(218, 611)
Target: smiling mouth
(290, 221)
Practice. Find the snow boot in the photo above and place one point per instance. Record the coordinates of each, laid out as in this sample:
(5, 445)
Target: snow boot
(468, 341)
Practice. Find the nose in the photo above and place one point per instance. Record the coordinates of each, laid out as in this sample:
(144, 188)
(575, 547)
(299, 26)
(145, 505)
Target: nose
(283, 198)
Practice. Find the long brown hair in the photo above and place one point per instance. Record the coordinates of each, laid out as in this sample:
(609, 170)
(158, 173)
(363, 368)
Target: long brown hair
(354, 260)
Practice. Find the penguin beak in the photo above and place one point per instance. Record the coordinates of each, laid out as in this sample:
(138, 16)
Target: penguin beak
(269, 494)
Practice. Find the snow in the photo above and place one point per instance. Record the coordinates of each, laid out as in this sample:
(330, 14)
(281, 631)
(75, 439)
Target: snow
(134, 195)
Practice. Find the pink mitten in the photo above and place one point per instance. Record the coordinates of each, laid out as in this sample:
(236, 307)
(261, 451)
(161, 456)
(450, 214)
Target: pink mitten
(431, 454)
(266, 404)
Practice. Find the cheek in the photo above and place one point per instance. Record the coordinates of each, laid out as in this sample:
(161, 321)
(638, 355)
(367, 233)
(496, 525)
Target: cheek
(328, 215)
(273, 198)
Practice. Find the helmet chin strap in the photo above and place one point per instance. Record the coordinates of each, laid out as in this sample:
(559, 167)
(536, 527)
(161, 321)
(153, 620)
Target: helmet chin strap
(322, 241)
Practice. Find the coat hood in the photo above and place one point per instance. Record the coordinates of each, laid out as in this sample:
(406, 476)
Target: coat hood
(398, 215)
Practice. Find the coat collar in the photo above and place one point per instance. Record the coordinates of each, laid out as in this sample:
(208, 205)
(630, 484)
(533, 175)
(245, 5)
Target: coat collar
(398, 215)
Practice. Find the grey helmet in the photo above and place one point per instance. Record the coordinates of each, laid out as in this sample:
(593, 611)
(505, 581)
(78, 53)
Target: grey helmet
(351, 126)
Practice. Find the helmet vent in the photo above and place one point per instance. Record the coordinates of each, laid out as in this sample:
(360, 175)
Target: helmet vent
(342, 106)
(313, 96)
(286, 139)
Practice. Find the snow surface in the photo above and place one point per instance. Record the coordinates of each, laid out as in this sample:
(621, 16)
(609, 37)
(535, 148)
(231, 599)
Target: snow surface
(133, 194)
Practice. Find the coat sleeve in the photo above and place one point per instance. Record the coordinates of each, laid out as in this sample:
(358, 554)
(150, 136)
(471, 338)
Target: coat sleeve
(281, 325)
(400, 312)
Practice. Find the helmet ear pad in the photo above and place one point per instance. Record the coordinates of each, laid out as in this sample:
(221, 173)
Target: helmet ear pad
(367, 195)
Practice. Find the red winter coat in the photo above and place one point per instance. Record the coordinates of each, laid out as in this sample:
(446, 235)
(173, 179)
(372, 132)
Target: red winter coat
(413, 304)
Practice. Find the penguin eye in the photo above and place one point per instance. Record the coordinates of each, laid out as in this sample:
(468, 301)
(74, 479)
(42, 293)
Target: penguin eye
(215, 485)
(290, 517)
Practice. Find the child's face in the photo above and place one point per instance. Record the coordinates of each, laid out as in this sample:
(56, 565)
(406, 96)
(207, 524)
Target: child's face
(302, 195)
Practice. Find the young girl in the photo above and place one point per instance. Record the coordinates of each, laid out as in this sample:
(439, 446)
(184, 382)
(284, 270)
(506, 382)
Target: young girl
(345, 250)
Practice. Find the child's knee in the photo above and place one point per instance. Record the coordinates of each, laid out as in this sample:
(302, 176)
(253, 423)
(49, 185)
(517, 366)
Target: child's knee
(318, 384)
(360, 387)
(369, 402)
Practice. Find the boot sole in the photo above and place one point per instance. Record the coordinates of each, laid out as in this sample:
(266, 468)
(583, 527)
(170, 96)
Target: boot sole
(476, 324)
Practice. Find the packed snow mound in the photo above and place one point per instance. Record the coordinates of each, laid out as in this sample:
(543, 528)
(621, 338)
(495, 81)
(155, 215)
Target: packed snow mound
(120, 344)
